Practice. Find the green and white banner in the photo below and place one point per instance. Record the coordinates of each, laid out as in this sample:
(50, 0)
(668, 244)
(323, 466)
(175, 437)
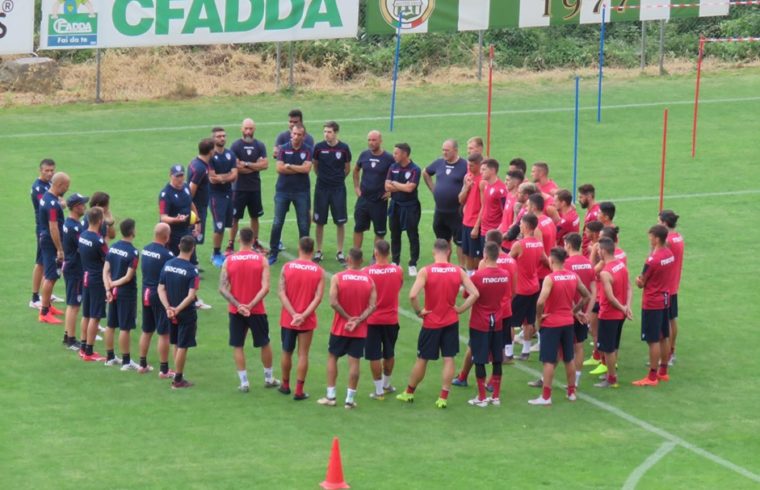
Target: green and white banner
(16, 26)
(475, 15)
(72, 24)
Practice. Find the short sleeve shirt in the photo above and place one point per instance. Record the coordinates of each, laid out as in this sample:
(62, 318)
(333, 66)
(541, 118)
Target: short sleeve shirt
(50, 210)
(197, 173)
(173, 202)
(222, 163)
(92, 250)
(404, 175)
(251, 153)
(449, 178)
(331, 163)
(154, 257)
(39, 188)
(121, 257)
(179, 276)
(374, 170)
(72, 264)
(292, 156)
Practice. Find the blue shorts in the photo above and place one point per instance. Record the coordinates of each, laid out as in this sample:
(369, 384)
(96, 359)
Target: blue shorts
(122, 313)
(94, 301)
(73, 289)
(221, 211)
(471, 247)
(433, 342)
(50, 264)
(332, 199)
(153, 313)
(38, 257)
(487, 346)
(202, 214)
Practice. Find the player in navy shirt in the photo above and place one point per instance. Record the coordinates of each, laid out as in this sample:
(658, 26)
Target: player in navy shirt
(197, 181)
(293, 186)
(72, 267)
(174, 206)
(154, 256)
(402, 181)
(92, 251)
(372, 199)
(251, 157)
(294, 117)
(50, 232)
(332, 163)
(177, 286)
(222, 173)
(39, 188)
(119, 276)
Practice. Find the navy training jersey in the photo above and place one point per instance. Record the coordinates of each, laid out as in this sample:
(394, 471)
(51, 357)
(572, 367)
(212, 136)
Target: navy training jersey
(173, 202)
(50, 210)
(248, 152)
(154, 257)
(374, 171)
(449, 178)
(222, 163)
(72, 264)
(92, 251)
(284, 139)
(121, 257)
(197, 173)
(331, 163)
(180, 276)
(404, 175)
(295, 182)
(39, 188)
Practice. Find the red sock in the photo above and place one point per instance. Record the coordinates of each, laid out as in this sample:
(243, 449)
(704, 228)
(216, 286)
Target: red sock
(463, 374)
(652, 374)
(663, 369)
(299, 387)
(546, 393)
(611, 379)
(570, 390)
(285, 384)
(496, 380)
(481, 388)
(410, 389)
(444, 394)
(597, 355)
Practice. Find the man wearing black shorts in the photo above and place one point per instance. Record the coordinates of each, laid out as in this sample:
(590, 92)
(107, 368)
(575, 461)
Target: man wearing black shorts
(372, 200)
(92, 251)
(251, 161)
(449, 171)
(177, 286)
(50, 232)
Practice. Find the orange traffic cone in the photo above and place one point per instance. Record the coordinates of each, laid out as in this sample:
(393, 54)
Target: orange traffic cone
(334, 477)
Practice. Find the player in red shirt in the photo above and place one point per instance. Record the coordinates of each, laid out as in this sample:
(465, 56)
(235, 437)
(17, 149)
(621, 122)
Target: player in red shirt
(591, 235)
(469, 198)
(440, 321)
(513, 181)
(546, 230)
(493, 198)
(676, 245)
(539, 173)
(244, 283)
(353, 297)
(607, 214)
(569, 221)
(586, 198)
(382, 324)
(300, 291)
(614, 308)
(529, 254)
(582, 268)
(656, 280)
(556, 311)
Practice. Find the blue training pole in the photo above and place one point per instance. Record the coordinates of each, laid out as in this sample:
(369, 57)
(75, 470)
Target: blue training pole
(601, 66)
(575, 149)
(395, 70)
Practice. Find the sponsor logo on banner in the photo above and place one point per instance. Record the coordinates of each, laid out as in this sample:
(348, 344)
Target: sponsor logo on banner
(73, 23)
(411, 13)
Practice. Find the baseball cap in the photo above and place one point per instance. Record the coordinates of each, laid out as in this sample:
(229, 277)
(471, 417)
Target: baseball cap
(76, 199)
(177, 169)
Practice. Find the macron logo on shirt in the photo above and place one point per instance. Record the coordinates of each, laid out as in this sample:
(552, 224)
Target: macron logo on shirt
(667, 261)
(120, 253)
(534, 245)
(495, 280)
(355, 277)
(152, 255)
(303, 267)
(581, 267)
(564, 277)
(380, 272)
(236, 258)
(175, 270)
(618, 267)
(85, 242)
(443, 270)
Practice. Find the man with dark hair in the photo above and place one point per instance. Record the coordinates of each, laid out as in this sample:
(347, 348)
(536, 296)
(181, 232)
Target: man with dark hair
(586, 197)
(656, 280)
(539, 174)
(353, 297)
(199, 185)
(331, 163)
(372, 199)
(513, 181)
(294, 161)
(72, 267)
(177, 286)
(244, 283)
(569, 221)
(607, 213)
(121, 293)
(469, 198)
(251, 157)
(676, 245)
(300, 291)
(546, 230)
(222, 172)
(92, 251)
(449, 172)
(295, 117)
(555, 311)
(50, 232)
(382, 324)
(518, 164)
(39, 187)
(582, 268)
(493, 196)
(154, 256)
(102, 200)
(402, 181)
(439, 335)
(591, 235)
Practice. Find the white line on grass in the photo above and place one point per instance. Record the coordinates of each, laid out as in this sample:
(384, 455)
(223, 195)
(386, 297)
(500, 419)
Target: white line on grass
(385, 117)
(653, 459)
(675, 440)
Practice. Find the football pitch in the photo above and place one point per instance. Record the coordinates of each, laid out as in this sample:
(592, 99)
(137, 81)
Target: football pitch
(70, 424)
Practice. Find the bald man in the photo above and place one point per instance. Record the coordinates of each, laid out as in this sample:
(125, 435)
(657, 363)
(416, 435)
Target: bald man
(154, 255)
(369, 185)
(449, 171)
(50, 233)
(251, 159)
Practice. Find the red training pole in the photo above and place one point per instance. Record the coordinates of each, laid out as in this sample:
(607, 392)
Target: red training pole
(696, 96)
(490, 96)
(664, 149)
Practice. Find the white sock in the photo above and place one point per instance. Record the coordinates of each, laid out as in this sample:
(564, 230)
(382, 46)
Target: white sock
(350, 394)
(577, 378)
(509, 350)
(243, 375)
(526, 346)
(331, 392)
(268, 374)
(386, 381)
(378, 386)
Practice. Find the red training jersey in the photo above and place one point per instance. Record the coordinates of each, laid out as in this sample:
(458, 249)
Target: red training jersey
(354, 291)
(658, 272)
(301, 280)
(245, 270)
(568, 223)
(472, 203)
(494, 197)
(619, 273)
(388, 281)
(492, 284)
(549, 238)
(527, 266)
(508, 264)
(676, 245)
(558, 309)
(441, 289)
(582, 268)
(549, 188)
(591, 215)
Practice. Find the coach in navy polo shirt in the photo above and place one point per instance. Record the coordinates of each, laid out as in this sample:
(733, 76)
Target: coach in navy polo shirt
(174, 206)
(372, 199)
(39, 187)
(50, 232)
(404, 213)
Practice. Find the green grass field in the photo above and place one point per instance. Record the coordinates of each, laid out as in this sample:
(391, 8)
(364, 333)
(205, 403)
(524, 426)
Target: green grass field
(68, 424)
